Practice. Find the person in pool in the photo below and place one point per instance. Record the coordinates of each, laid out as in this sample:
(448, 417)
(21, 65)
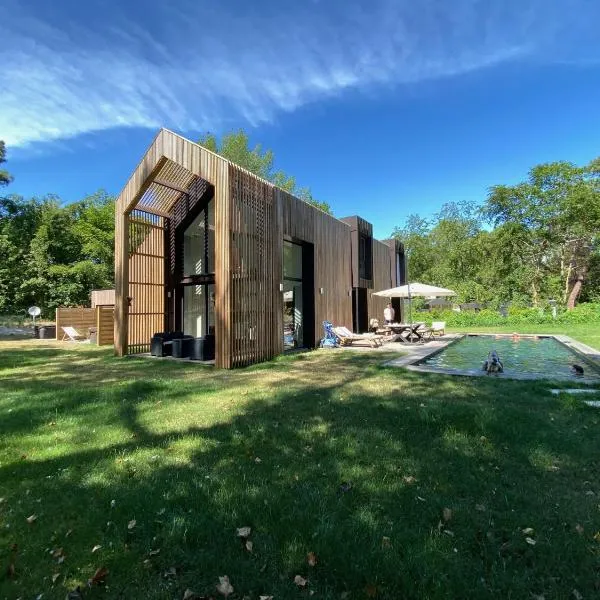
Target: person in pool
(577, 370)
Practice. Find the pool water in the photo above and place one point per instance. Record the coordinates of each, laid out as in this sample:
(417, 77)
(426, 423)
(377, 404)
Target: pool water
(541, 356)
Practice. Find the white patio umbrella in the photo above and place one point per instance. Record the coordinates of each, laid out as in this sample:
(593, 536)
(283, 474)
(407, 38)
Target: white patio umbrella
(415, 289)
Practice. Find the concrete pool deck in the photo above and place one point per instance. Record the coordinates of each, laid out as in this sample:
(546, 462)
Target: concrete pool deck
(416, 354)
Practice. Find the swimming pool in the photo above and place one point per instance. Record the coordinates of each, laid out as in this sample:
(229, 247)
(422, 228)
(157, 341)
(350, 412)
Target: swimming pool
(526, 356)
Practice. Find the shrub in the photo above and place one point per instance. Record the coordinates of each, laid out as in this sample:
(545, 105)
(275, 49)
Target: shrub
(582, 313)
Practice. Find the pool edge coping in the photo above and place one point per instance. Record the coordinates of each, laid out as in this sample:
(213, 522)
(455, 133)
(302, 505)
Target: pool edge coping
(586, 352)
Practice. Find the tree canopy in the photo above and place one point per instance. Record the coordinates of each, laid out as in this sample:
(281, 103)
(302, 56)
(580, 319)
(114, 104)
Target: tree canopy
(235, 146)
(527, 243)
(5, 176)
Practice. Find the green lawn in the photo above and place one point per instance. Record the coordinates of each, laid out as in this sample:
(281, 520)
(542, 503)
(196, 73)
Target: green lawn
(158, 464)
(587, 333)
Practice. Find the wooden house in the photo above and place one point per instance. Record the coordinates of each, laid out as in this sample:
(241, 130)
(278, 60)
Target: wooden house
(205, 247)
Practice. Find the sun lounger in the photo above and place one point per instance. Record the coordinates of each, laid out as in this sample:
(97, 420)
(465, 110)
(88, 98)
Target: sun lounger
(347, 338)
(72, 334)
(438, 328)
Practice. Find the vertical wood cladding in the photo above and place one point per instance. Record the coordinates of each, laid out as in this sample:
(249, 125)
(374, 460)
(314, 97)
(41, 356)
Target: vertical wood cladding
(331, 239)
(252, 218)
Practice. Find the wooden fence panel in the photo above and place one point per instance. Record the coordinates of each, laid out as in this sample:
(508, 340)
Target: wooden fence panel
(81, 319)
(105, 325)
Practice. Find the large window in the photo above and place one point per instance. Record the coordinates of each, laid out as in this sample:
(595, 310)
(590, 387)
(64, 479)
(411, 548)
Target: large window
(199, 243)
(365, 260)
(293, 326)
(199, 310)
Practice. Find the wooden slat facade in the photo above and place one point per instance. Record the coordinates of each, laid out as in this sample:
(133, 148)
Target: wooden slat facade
(252, 219)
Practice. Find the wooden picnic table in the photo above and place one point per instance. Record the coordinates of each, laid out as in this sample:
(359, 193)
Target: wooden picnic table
(407, 332)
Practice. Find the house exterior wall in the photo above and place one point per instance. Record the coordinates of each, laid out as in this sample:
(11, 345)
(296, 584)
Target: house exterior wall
(383, 279)
(252, 218)
(331, 239)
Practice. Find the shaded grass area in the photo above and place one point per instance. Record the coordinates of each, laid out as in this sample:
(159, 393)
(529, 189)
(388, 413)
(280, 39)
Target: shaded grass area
(191, 454)
(586, 333)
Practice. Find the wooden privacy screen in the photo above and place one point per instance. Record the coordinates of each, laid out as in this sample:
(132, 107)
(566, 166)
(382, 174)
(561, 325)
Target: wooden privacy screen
(255, 321)
(105, 325)
(146, 296)
(81, 319)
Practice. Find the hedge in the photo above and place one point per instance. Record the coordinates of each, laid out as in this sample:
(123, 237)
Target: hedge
(582, 313)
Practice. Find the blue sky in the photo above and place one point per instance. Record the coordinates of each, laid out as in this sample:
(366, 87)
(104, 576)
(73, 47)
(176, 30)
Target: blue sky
(384, 108)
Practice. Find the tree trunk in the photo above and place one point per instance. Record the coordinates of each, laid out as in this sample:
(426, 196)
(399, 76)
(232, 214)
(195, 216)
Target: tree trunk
(575, 291)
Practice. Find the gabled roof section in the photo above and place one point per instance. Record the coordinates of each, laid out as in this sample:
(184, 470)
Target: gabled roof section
(170, 166)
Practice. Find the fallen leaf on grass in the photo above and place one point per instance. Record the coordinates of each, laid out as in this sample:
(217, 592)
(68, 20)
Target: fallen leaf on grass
(257, 460)
(538, 596)
(224, 587)
(244, 532)
(300, 581)
(31, 519)
(528, 531)
(55, 577)
(170, 572)
(386, 542)
(131, 525)
(371, 591)
(530, 541)
(153, 552)
(248, 545)
(99, 577)
(113, 503)
(58, 554)
(189, 595)
(96, 548)
(10, 571)
(265, 598)
(409, 479)
(75, 594)
(447, 513)
(480, 507)
(579, 529)
(311, 558)
(577, 595)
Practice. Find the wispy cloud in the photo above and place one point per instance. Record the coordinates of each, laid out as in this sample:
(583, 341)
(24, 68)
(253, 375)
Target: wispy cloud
(206, 67)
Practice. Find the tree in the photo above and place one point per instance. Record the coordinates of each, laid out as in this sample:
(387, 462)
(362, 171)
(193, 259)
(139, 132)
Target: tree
(5, 176)
(555, 215)
(235, 147)
(54, 255)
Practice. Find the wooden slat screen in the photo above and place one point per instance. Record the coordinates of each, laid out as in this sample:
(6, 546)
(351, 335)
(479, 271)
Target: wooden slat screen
(255, 272)
(146, 254)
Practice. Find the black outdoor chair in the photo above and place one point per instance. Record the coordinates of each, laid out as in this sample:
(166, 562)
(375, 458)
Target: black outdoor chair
(161, 343)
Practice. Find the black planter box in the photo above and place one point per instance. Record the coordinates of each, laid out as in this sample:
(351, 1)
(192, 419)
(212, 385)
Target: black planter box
(182, 347)
(203, 348)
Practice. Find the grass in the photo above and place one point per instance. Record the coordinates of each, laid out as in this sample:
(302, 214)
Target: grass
(90, 443)
(586, 333)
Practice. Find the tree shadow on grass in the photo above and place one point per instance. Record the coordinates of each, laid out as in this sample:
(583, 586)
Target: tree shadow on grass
(192, 460)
